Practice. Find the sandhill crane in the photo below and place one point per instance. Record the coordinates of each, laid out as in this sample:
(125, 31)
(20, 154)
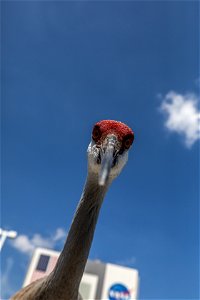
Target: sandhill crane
(107, 155)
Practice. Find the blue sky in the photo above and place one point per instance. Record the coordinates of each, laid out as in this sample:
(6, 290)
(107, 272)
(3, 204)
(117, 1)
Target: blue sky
(66, 65)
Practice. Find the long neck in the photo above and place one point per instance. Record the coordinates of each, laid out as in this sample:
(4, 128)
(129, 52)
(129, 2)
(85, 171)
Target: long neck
(71, 263)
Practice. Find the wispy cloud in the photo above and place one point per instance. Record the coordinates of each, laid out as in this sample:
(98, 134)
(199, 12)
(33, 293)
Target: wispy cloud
(6, 288)
(60, 234)
(128, 262)
(182, 116)
(26, 244)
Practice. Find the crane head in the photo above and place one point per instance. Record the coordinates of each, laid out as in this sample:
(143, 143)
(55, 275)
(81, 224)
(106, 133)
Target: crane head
(108, 150)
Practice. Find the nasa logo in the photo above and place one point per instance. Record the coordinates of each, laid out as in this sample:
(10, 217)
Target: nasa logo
(119, 292)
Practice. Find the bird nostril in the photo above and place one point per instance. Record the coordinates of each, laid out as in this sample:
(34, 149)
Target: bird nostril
(115, 153)
(99, 159)
(115, 156)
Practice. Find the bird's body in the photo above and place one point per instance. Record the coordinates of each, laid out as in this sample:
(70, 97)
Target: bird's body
(107, 154)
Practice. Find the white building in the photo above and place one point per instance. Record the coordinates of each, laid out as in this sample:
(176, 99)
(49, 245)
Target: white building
(100, 281)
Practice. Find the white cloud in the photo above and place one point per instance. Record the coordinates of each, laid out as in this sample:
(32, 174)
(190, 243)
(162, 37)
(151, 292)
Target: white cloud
(26, 245)
(182, 116)
(23, 244)
(59, 234)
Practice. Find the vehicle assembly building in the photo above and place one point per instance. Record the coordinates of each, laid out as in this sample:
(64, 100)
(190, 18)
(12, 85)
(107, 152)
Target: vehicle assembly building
(100, 280)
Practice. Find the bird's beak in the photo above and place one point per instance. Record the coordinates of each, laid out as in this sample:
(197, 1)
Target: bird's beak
(107, 158)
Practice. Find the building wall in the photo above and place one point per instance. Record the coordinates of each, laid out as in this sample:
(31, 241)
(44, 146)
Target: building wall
(100, 281)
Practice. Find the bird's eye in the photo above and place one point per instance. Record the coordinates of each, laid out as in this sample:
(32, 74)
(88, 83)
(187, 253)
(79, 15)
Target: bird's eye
(96, 133)
(128, 140)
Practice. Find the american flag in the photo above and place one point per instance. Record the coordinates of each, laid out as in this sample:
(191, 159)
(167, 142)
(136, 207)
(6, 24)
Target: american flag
(44, 265)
